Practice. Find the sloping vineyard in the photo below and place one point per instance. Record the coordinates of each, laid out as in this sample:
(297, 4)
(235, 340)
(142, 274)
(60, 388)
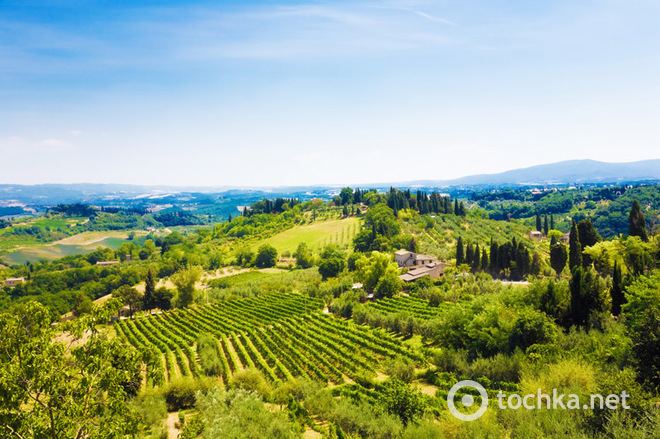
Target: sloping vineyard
(283, 335)
(418, 308)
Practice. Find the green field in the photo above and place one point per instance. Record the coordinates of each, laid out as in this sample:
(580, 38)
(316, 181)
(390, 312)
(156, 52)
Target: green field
(317, 235)
(56, 251)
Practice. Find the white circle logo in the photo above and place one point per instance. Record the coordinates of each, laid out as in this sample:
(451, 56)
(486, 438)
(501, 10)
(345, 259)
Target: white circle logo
(467, 400)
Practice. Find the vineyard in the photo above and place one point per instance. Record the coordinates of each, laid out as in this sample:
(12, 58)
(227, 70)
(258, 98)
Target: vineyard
(282, 335)
(418, 308)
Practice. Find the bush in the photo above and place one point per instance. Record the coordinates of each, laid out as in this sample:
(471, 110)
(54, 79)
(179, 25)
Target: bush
(266, 256)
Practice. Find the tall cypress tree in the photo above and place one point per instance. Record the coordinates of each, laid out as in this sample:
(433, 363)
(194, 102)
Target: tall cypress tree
(148, 300)
(484, 260)
(460, 255)
(616, 292)
(637, 222)
(469, 253)
(545, 225)
(476, 259)
(456, 211)
(574, 248)
(552, 222)
(538, 222)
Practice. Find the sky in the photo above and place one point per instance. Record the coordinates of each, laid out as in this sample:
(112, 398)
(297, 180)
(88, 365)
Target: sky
(276, 93)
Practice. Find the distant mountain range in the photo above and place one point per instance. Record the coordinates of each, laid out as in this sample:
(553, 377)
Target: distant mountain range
(566, 173)
(560, 173)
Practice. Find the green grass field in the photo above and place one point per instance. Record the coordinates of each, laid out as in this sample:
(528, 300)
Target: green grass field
(317, 235)
(56, 251)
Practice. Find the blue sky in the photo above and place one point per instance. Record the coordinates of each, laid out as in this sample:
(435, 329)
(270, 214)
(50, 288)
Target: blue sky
(257, 93)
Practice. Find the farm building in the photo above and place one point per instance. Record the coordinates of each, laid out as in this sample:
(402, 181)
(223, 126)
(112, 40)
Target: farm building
(409, 259)
(535, 235)
(433, 270)
(13, 281)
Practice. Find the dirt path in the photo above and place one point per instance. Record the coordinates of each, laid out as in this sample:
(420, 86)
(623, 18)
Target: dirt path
(172, 422)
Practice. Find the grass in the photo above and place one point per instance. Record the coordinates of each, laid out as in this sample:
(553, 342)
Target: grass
(66, 247)
(316, 235)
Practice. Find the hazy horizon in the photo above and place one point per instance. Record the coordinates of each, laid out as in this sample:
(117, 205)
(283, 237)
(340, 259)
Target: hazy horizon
(304, 93)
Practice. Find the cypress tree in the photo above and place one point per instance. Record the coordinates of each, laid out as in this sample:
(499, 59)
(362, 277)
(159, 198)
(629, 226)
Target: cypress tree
(552, 222)
(558, 257)
(637, 222)
(476, 259)
(460, 256)
(545, 225)
(616, 292)
(574, 248)
(456, 211)
(538, 222)
(484, 260)
(149, 289)
(469, 253)
(229, 218)
(493, 256)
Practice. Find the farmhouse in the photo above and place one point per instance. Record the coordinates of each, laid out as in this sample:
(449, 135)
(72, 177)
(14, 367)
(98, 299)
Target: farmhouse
(409, 259)
(13, 281)
(106, 263)
(535, 235)
(566, 237)
(433, 270)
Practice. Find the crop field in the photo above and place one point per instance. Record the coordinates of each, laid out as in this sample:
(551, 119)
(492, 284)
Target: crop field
(283, 335)
(418, 308)
(82, 243)
(317, 235)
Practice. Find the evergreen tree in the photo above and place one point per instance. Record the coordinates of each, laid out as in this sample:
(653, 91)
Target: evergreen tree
(637, 222)
(545, 225)
(229, 218)
(558, 258)
(538, 222)
(493, 257)
(574, 248)
(460, 255)
(484, 260)
(588, 236)
(616, 292)
(476, 258)
(148, 301)
(552, 222)
(469, 253)
(456, 211)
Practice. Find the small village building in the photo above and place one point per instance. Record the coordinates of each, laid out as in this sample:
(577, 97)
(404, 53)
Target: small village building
(11, 282)
(106, 263)
(433, 270)
(566, 238)
(535, 235)
(405, 258)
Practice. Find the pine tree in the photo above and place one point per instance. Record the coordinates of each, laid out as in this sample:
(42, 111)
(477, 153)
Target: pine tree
(637, 222)
(574, 248)
(229, 218)
(545, 225)
(460, 255)
(538, 222)
(456, 211)
(552, 222)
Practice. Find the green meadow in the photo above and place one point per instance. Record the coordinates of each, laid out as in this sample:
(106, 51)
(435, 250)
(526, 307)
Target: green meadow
(316, 235)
